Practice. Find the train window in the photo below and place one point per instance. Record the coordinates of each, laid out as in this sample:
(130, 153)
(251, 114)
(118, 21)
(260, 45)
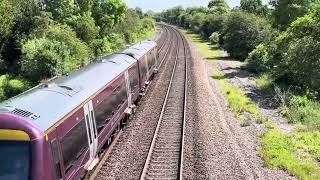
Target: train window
(134, 80)
(122, 94)
(109, 106)
(150, 64)
(55, 157)
(143, 68)
(76, 136)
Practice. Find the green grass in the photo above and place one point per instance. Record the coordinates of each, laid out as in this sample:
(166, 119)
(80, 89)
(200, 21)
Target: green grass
(304, 111)
(207, 50)
(238, 101)
(295, 153)
(146, 35)
(265, 83)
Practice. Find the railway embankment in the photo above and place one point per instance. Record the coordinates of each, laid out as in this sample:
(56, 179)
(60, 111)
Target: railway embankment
(275, 143)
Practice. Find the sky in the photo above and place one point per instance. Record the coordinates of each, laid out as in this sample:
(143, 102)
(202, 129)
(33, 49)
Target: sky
(159, 5)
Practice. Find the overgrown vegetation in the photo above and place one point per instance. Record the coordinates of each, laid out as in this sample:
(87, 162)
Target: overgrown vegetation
(298, 153)
(238, 101)
(281, 45)
(42, 39)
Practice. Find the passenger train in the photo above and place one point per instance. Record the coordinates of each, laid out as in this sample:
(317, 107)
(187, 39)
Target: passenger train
(58, 129)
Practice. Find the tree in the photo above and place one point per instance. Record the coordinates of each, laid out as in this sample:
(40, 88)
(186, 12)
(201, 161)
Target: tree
(286, 11)
(61, 9)
(219, 6)
(254, 6)
(139, 11)
(213, 23)
(84, 26)
(243, 32)
(296, 56)
(108, 13)
(85, 6)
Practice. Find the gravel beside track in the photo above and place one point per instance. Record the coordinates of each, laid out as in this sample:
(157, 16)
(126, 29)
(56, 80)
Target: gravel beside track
(216, 146)
(127, 159)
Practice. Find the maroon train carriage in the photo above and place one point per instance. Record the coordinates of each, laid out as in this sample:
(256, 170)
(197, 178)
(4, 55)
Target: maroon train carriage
(57, 130)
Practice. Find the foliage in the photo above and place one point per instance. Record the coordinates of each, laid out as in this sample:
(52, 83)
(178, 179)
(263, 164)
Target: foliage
(218, 6)
(108, 13)
(43, 58)
(296, 55)
(133, 27)
(10, 87)
(286, 11)
(238, 101)
(243, 32)
(294, 153)
(214, 38)
(84, 26)
(206, 49)
(254, 7)
(257, 60)
(213, 23)
(265, 83)
(302, 110)
(41, 39)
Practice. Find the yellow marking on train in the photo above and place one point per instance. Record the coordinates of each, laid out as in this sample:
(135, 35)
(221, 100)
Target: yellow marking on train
(47, 137)
(13, 135)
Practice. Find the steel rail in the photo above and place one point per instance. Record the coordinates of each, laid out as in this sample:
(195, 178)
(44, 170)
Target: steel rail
(148, 163)
(104, 156)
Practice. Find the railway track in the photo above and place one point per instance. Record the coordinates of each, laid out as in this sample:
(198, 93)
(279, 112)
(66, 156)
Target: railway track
(166, 42)
(165, 156)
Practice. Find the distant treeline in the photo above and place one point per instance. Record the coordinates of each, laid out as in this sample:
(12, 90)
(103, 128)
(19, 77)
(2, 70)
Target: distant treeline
(281, 40)
(40, 39)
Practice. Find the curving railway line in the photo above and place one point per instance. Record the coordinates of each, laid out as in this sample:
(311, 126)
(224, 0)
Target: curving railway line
(165, 153)
(165, 157)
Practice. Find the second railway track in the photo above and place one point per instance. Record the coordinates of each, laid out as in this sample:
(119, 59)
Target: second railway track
(165, 157)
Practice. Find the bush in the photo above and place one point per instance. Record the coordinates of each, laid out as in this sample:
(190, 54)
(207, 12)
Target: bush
(213, 23)
(43, 58)
(296, 56)
(258, 59)
(52, 49)
(243, 32)
(214, 38)
(305, 111)
(16, 87)
(11, 87)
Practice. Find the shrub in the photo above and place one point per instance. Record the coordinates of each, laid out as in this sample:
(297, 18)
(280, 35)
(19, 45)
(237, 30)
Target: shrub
(43, 58)
(265, 83)
(305, 111)
(214, 38)
(258, 59)
(296, 56)
(213, 23)
(243, 32)
(52, 49)
(10, 87)
(16, 87)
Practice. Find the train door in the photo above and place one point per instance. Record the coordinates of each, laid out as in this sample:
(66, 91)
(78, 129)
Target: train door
(129, 95)
(92, 135)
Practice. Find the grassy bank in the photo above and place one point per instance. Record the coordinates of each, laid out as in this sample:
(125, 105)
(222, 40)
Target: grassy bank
(147, 35)
(298, 152)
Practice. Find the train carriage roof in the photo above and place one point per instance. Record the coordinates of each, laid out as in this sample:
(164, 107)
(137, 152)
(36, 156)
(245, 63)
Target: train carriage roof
(138, 50)
(45, 105)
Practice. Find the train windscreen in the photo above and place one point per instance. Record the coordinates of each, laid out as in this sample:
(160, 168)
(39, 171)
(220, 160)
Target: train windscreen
(14, 156)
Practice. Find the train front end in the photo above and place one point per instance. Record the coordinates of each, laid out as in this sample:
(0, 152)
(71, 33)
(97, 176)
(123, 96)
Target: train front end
(23, 150)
